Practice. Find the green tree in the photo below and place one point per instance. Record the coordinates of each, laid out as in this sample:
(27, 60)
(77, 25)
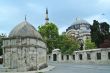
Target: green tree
(1, 47)
(104, 29)
(95, 33)
(89, 44)
(49, 32)
(67, 44)
(99, 32)
(1, 43)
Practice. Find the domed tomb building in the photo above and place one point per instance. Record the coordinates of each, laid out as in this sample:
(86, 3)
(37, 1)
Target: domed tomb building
(24, 49)
(80, 29)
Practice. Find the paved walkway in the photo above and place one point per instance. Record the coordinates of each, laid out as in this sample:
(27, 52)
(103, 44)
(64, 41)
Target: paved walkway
(71, 68)
(43, 70)
(79, 68)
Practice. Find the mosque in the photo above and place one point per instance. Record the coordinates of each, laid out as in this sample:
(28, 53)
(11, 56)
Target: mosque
(25, 50)
(80, 29)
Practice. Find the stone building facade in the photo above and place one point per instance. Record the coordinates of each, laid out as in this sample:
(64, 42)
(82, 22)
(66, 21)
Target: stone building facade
(24, 49)
(92, 56)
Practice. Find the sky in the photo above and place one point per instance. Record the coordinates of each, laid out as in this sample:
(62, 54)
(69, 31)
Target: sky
(61, 12)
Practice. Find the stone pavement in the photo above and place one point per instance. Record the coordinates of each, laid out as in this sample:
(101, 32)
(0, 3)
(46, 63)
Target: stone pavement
(55, 67)
(79, 68)
(43, 70)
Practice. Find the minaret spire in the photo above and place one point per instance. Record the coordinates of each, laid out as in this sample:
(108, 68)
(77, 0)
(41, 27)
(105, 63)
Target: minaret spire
(46, 18)
(46, 10)
(25, 18)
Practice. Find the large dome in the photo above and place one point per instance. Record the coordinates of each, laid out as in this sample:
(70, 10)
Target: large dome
(25, 29)
(77, 23)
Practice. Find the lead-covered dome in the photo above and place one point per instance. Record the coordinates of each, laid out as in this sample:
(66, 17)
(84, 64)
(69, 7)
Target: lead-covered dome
(25, 29)
(79, 23)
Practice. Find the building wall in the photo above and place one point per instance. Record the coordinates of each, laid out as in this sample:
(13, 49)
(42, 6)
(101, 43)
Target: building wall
(93, 58)
(24, 54)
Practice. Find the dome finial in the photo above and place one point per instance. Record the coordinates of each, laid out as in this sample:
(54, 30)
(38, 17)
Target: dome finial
(77, 18)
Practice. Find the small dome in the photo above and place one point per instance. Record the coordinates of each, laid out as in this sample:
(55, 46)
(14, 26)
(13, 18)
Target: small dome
(25, 29)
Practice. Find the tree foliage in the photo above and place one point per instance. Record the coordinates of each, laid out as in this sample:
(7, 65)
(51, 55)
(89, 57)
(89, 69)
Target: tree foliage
(89, 44)
(1, 47)
(53, 40)
(104, 29)
(1, 43)
(67, 44)
(95, 31)
(99, 32)
(49, 32)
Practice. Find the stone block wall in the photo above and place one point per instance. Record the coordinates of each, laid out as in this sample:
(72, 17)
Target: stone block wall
(24, 54)
(93, 56)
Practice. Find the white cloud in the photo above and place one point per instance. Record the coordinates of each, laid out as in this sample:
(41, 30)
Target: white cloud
(61, 11)
(100, 18)
(101, 12)
(7, 12)
(8, 16)
(62, 29)
(35, 7)
(104, 4)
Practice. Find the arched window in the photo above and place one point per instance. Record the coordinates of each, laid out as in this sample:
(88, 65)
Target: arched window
(54, 57)
(67, 56)
(49, 57)
(108, 55)
(73, 57)
(80, 56)
(88, 56)
(98, 56)
(62, 57)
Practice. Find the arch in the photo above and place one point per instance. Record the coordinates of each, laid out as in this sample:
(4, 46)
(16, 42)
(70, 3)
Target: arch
(54, 57)
(108, 55)
(80, 56)
(98, 56)
(49, 57)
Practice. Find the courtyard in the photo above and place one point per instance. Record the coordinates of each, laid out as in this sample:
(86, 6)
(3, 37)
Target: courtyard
(78, 68)
(72, 68)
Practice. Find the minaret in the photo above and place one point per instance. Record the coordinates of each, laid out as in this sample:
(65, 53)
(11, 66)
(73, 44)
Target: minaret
(46, 18)
(25, 18)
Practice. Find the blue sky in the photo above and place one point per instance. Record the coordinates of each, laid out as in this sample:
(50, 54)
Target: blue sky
(61, 12)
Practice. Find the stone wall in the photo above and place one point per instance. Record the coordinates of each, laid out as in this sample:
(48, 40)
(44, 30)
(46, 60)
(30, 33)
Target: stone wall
(93, 56)
(24, 54)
